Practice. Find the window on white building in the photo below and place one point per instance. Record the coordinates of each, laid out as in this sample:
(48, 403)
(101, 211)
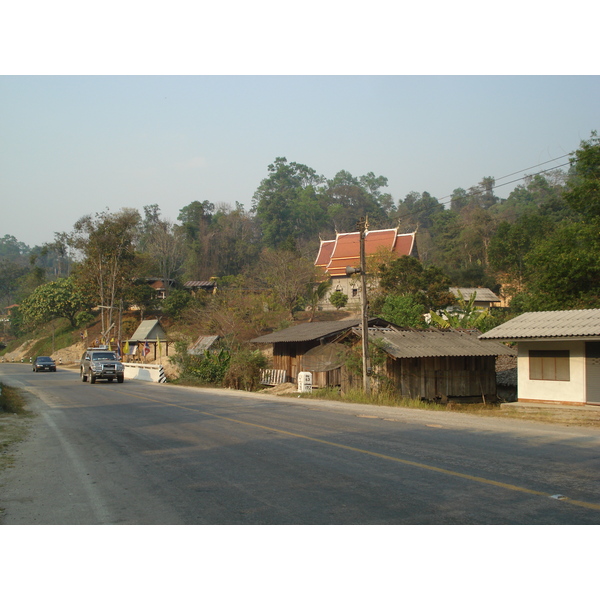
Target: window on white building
(549, 365)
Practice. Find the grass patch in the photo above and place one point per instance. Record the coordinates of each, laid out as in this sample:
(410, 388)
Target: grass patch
(12, 400)
(14, 421)
(377, 398)
(557, 416)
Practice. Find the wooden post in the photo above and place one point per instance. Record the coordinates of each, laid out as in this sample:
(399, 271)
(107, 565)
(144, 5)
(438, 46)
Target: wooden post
(365, 308)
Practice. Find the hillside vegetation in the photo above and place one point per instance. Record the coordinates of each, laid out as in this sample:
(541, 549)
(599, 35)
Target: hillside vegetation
(538, 248)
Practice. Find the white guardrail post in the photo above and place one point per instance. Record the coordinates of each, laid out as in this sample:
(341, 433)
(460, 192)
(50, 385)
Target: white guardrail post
(143, 372)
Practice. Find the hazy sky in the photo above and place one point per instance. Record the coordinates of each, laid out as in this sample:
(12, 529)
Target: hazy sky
(140, 104)
(75, 145)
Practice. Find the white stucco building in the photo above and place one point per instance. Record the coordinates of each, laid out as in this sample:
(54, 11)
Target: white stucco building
(558, 355)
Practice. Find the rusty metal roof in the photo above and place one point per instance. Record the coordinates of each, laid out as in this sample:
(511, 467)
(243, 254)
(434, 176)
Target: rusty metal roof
(312, 331)
(193, 284)
(204, 342)
(549, 325)
(429, 343)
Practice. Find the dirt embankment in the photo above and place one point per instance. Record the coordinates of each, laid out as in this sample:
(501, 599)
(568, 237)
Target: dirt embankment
(64, 356)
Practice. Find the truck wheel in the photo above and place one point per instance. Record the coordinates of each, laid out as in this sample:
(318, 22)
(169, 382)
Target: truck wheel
(120, 378)
(92, 378)
(83, 376)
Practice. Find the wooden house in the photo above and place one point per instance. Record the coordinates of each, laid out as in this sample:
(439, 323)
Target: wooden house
(434, 364)
(311, 343)
(440, 364)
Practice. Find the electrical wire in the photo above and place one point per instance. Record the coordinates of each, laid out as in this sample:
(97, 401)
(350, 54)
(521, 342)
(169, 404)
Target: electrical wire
(521, 178)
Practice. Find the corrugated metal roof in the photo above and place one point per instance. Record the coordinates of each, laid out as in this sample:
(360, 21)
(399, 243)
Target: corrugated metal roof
(310, 331)
(481, 294)
(191, 284)
(204, 342)
(148, 330)
(548, 324)
(431, 343)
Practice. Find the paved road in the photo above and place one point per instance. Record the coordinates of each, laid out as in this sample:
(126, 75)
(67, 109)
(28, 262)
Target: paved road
(143, 453)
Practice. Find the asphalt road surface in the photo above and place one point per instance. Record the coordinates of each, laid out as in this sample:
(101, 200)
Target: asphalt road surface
(145, 453)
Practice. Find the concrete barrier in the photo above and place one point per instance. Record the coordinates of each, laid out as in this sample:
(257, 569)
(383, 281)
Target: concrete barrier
(155, 373)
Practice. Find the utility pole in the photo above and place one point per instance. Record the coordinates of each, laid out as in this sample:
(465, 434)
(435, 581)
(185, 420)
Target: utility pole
(362, 226)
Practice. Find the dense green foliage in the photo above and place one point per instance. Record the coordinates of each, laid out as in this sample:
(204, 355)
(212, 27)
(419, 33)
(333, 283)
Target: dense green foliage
(338, 299)
(60, 298)
(403, 310)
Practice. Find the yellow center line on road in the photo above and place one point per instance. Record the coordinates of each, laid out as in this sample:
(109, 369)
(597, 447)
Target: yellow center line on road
(506, 486)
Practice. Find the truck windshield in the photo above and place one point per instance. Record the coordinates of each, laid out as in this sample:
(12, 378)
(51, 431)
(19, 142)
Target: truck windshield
(104, 355)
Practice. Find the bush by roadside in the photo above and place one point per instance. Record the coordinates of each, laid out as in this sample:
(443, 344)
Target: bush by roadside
(13, 421)
(11, 400)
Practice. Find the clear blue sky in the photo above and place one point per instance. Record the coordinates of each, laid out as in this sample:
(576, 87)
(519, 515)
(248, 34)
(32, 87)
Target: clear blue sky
(74, 145)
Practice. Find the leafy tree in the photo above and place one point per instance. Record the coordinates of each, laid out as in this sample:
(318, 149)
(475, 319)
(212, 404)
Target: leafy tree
(563, 269)
(418, 210)
(512, 242)
(107, 243)
(404, 310)
(243, 372)
(55, 257)
(11, 248)
(338, 299)
(407, 276)
(174, 305)
(61, 298)
(196, 219)
(10, 274)
(140, 295)
(349, 199)
(459, 199)
(583, 193)
(287, 203)
(540, 194)
(17, 327)
(316, 292)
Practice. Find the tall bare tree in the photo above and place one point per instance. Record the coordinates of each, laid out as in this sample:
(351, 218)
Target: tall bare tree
(287, 275)
(166, 247)
(107, 244)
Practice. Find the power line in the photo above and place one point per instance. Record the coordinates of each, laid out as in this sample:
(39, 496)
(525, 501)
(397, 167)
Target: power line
(534, 166)
(522, 171)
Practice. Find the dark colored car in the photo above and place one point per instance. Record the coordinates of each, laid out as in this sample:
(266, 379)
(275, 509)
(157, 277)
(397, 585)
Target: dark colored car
(44, 363)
